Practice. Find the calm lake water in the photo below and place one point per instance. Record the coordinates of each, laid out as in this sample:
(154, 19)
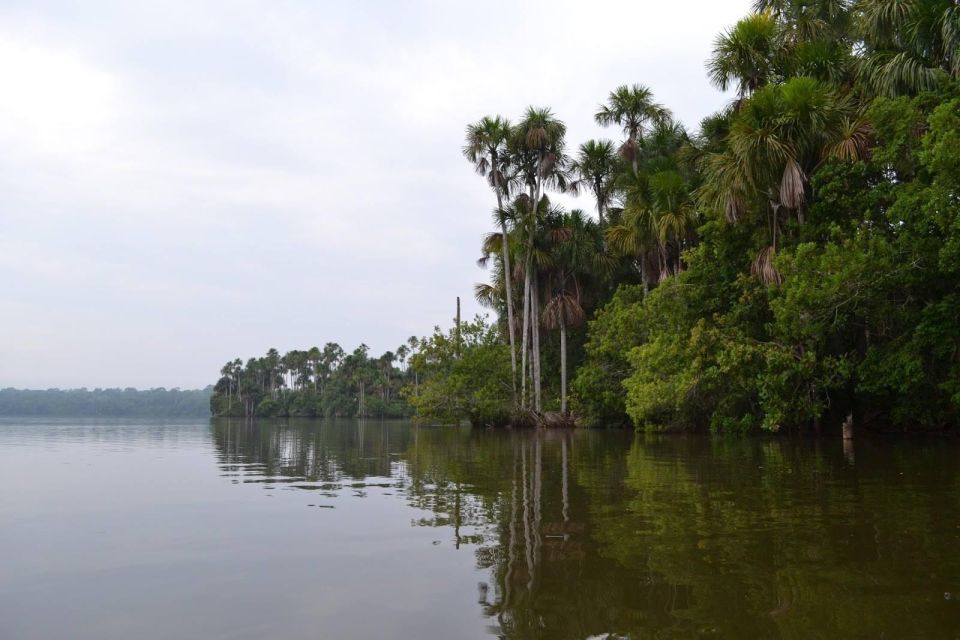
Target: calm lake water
(293, 530)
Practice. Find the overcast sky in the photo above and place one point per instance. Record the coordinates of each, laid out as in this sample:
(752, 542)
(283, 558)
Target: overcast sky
(183, 182)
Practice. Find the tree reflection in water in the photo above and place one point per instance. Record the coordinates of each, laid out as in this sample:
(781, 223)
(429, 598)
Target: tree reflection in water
(586, 534)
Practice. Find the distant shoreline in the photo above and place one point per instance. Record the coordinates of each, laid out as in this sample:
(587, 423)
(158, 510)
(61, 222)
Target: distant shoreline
(105, 403)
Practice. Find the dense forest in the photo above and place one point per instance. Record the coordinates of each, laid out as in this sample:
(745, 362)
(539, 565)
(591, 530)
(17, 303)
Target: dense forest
(326, 382)
(793, 263)
(128, 403)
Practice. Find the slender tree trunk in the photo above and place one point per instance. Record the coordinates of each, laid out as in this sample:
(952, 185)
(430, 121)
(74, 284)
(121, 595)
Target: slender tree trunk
(526, 330)
(535, 326)
(598, 192)
(458, 327)
(534, 297)
(563, 365)
(507, 275)
(532, 311)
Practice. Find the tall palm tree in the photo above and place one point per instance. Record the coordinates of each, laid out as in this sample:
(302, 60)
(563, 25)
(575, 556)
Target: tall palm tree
(595, 168)
(227, 373)
(657, 225)
(577, 255)
(676, 217)
(745, 55)
(538, 145)
(633, 109)
(486, 148)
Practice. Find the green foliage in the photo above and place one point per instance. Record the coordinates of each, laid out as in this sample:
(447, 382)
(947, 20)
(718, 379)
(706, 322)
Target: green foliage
(462, 375)
(864, 318)
(599, 395)
(314, 383)
(798, 258)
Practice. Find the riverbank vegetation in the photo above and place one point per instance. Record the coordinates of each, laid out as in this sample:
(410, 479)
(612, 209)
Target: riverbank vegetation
(793, 261)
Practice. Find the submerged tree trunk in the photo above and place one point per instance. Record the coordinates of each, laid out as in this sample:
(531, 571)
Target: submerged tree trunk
(564, 486)
(848, 427)
(527, 539)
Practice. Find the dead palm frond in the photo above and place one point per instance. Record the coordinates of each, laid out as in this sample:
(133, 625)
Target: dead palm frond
(563, 309)
(792, 185)
(764, 269)
(854, 141)
(487, 295)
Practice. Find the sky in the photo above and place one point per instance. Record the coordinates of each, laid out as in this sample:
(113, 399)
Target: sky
(185, 182)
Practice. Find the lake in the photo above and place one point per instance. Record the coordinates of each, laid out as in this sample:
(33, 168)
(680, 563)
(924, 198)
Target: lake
(305, 529)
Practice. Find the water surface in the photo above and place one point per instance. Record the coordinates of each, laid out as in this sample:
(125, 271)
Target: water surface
(227, 529)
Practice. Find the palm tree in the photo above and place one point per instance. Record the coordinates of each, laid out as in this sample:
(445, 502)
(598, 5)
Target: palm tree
(485, 147)
(633, 109)
(577, 255)
(656, 226)
(909, 45)
(776, 141)
(676, 217)
(313, 365)
(596, 167)
(273, 363)
(227, 373)
(537, 147)
(636, 234)
(657, 216)
(746, 54)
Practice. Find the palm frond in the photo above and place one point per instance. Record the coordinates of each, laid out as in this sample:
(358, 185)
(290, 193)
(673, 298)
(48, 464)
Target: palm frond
(763, 268)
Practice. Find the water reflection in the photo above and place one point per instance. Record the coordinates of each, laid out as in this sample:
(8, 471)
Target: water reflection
(585, 534)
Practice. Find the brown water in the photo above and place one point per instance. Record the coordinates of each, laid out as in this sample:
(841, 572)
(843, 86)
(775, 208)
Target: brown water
(293, 530)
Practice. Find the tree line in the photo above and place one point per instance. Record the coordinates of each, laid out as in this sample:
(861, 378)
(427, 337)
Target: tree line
(128, 403)
(327, 382)
(793, 262)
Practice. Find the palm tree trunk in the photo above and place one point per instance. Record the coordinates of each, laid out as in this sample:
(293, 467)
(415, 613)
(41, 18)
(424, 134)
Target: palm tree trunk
(507, 276)
(535, 326)
(598, 192)
(526, 330)
(563, 366)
